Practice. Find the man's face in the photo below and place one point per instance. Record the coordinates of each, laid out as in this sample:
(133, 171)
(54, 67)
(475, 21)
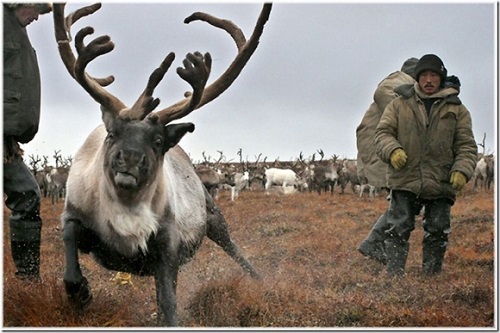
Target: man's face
(429, 82)
(26, 14)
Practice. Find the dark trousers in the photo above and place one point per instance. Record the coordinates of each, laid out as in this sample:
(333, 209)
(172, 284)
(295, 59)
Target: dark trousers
(23, 200)
(401, 217)
(401, 222)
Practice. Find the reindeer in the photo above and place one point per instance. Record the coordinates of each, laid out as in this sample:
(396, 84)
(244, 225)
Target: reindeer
(39, 174)
(57, 177)
(212, 176)
(322, 175)
(485, 169)
(133, 198)
(484, 173)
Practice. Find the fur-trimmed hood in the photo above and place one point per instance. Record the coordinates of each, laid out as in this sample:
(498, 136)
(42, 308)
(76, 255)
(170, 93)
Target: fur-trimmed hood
(43, 7)
(450, 94)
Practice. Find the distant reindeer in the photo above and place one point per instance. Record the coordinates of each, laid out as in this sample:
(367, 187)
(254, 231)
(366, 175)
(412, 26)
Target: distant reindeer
(38, 173)
(46, 176)
(57, 178)
(325, 174)
(211, 175)
(484, 173)
(485, 169)
(133, 198)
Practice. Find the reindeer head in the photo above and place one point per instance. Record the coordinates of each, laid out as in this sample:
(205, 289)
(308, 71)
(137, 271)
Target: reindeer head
(135, 148)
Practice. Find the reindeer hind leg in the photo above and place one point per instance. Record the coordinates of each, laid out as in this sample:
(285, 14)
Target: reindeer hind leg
(217, 231)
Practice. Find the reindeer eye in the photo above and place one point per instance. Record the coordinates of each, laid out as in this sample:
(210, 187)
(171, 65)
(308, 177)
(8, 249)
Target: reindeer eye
(158, 143)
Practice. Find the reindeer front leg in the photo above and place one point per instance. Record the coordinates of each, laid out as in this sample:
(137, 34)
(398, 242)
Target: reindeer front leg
(166, 285)
(77, 287)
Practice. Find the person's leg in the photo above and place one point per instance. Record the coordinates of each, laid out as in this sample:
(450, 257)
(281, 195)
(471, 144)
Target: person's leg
(401, 221)
(373, 246)
(437, 226)
(23, 199)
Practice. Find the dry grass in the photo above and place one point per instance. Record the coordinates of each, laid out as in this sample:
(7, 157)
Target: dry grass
(305, 247)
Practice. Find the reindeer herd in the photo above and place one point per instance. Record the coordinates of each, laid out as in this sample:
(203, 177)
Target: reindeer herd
(50, 179)
(300, 175)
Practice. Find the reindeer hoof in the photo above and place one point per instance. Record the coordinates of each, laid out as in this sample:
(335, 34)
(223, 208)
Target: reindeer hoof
(79, 294)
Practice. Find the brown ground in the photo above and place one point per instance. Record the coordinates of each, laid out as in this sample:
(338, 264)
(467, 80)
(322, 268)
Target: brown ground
(305, 247)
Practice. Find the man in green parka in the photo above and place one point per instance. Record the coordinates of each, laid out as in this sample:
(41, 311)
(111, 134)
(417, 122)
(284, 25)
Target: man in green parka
(21, 116)
(425, 135)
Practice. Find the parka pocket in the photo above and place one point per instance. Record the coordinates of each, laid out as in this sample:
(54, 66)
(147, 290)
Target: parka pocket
(10, 96)
(12, 60)
(12, 119)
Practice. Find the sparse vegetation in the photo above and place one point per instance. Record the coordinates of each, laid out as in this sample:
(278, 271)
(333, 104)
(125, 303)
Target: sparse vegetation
(305, 247)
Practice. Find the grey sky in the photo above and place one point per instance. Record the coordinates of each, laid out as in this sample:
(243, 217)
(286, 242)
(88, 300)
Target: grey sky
(306, 88)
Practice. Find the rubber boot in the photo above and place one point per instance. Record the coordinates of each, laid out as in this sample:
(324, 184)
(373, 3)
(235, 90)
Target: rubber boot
(436, 230)
(397, 253)
(373, 246)
(433, 250)
(432, 259)
(25, 236)
(26, 256)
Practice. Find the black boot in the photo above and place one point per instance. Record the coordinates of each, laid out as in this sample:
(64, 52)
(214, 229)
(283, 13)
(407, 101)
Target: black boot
(433, 250)
(373, 246)
(397, 253)
(25, 236)
(432, 260)
(26, 256)
(436, 230)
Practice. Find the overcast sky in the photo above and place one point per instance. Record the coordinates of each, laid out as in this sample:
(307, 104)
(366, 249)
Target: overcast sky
(306, 87)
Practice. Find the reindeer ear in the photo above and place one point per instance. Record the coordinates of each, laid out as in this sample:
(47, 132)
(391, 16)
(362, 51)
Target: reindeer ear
(174, 133)
(107, 117)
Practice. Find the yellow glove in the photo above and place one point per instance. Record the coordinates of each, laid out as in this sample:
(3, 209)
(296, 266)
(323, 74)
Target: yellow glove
(398, 158)
(457, 180)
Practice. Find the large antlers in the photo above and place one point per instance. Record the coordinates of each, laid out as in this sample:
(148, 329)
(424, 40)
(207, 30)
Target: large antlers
(196, 66)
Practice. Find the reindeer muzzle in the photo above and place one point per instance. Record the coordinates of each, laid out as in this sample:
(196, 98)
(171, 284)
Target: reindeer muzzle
(128, 166)
(125, 180)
